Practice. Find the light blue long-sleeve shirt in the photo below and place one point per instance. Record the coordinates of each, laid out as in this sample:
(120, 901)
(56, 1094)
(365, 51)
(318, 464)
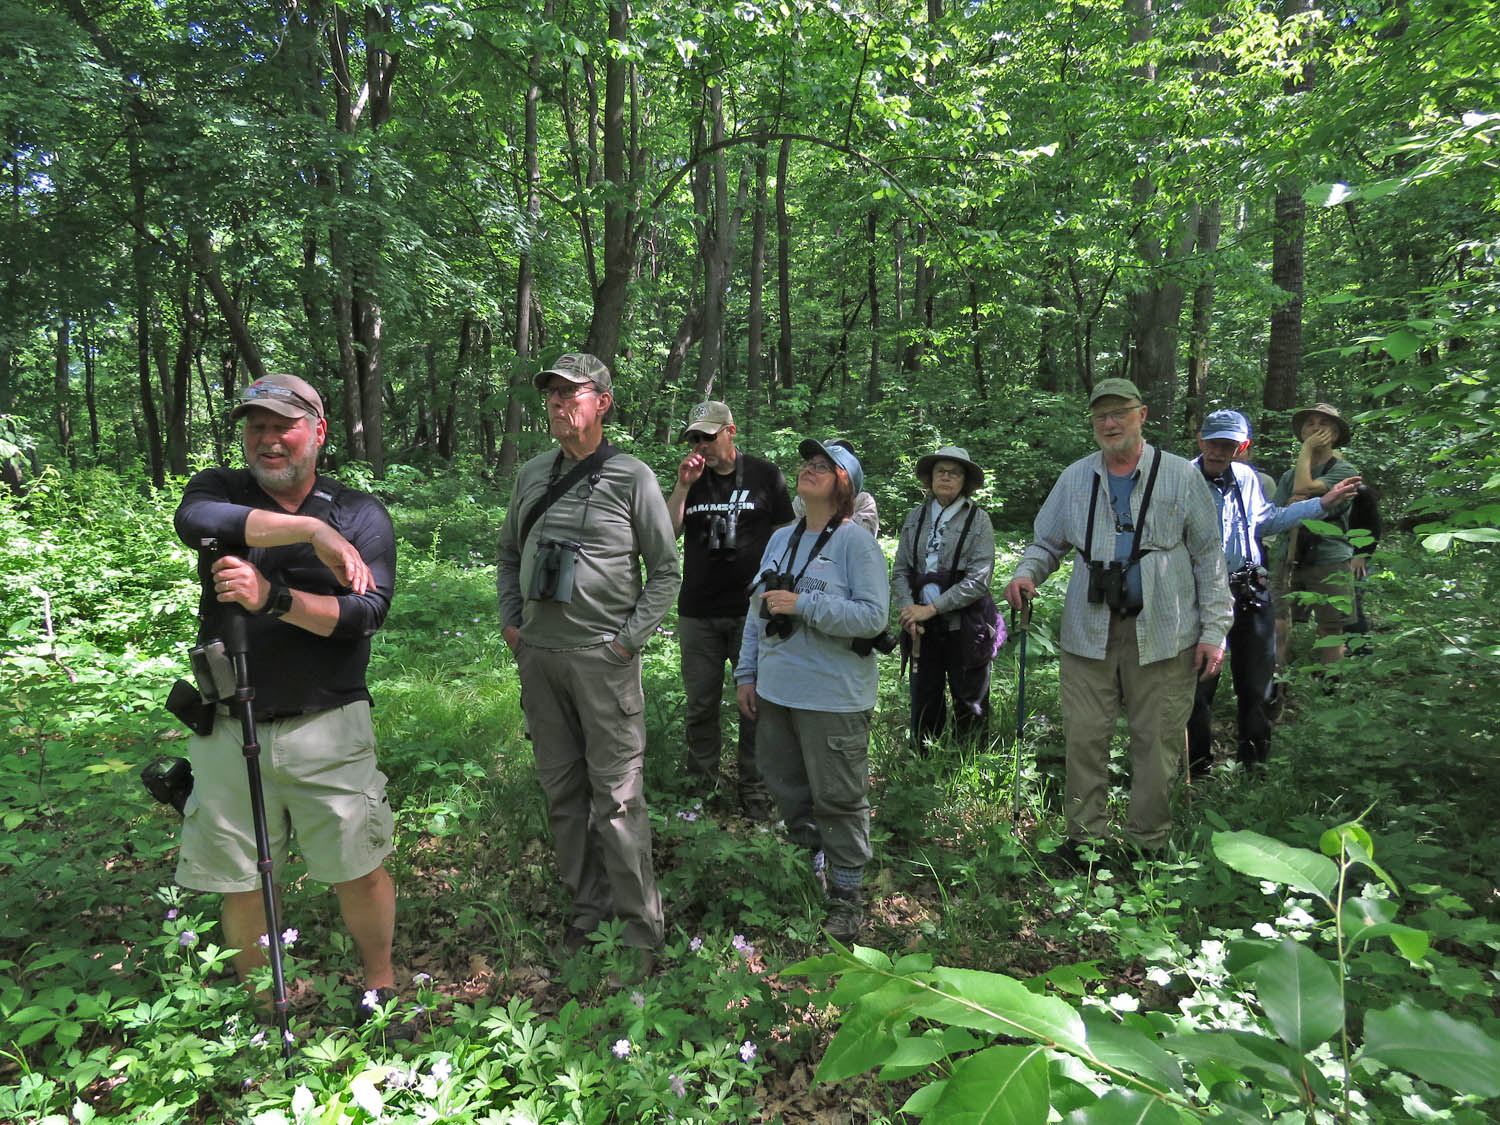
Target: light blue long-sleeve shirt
(844, 593)
(1265, 518)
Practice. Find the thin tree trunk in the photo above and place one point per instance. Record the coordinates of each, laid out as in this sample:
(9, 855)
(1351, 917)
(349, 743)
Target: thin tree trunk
(62, 393)
(619, 211)
(785, 377)
(872, 382)
(90, 363)
(755, 328)
(1203, 304)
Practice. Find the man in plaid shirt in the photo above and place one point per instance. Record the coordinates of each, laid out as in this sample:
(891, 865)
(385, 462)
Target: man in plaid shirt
(1146, 614)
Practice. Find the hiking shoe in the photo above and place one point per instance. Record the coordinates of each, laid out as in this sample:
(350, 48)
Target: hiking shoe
(636, 965)
(573, 941)
(755, 807)
(845, 915)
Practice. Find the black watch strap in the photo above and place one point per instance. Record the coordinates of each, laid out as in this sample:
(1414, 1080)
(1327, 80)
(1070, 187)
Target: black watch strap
(278, 601)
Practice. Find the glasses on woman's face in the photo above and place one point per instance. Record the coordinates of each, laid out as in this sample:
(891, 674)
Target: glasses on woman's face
(941, 471)
(817, 466)
(567, 391)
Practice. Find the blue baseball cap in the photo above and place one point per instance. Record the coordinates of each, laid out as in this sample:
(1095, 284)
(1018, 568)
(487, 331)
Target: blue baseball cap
(840, 454)
(1230, 425)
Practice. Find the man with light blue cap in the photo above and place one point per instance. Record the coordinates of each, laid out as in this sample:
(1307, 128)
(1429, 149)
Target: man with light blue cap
(1244, 515)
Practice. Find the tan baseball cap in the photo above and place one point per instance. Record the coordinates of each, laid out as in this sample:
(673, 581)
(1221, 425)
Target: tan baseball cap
(286, 395)
(707, 418)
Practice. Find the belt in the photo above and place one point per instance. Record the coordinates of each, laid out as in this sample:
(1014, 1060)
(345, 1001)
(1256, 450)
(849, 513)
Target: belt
(233, 710)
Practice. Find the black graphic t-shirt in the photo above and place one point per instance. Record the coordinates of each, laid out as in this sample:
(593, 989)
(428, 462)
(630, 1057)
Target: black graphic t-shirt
(716, 582)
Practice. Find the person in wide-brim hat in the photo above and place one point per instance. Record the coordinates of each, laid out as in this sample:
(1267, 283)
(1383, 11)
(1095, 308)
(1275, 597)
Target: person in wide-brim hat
(944, 560)
(1327, 411)
(973, 474)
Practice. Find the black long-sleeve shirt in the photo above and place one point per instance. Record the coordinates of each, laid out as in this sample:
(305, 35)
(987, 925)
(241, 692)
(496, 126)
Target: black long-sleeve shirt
(292, 669)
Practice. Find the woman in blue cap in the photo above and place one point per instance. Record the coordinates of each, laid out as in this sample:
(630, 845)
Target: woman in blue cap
(806, 673)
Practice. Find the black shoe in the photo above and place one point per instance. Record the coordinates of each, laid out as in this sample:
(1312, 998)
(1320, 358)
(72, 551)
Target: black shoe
(756, 807)
(574, 940)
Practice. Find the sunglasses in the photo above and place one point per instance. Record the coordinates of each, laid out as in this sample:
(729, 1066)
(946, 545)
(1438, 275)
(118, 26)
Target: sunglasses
(697, 437)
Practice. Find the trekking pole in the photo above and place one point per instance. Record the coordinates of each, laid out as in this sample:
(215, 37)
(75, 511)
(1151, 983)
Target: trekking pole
(237, 645)
(1025, 629)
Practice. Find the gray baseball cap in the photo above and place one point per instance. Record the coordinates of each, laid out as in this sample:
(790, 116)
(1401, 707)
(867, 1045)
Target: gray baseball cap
(840, 455)
(286, 395)
(576, 367)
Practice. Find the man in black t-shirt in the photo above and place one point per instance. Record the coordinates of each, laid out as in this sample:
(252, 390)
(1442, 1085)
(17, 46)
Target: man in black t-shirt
(312, 565)
(725, 505)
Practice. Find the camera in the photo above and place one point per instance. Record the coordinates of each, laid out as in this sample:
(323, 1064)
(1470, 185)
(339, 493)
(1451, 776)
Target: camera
(777, 625)
(883, 642)
(169, 780)
(552, 573)
(1250, 585)
(722, 536)
(1107, 585)
(213, 671)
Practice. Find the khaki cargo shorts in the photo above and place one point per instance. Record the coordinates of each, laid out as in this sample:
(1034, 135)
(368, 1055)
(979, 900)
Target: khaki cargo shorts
(320, 780)
(1335, 580)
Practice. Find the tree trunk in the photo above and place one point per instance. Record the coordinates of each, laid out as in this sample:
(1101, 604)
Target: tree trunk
(785, 377)
(619, 210)
(62, 394)
(872, 381)
(91, 402)
(755, 328)
(921, 306)
(1203, 304)
(1284, 349)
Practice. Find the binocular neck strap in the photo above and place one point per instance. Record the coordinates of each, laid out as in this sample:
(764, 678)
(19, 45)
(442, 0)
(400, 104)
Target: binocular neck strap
(1239, 502)
(790, 557)
(1140, 523)
(736, 498)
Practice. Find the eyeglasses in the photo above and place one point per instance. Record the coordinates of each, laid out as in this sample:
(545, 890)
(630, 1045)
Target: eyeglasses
(817, 466)
(697, 437)
(942, 472)
(1115, 416)
(569, 391)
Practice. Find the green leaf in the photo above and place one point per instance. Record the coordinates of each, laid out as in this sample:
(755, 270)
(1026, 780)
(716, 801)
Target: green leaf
(992, 1002)
(912, 1056)
(1436, 1048)
(1300, 993)
(998, 1086)
(920, 1104)
(1125, 1107)
(1261, 857)
(1367, 918)
(1125, 1049)
(861, 1044)
(1250, 1056)
(1401, 344)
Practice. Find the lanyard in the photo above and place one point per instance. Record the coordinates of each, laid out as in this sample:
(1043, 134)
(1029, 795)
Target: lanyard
(818, 544)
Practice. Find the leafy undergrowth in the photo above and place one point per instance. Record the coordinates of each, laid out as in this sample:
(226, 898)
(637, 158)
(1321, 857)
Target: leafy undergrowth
(1229, 976)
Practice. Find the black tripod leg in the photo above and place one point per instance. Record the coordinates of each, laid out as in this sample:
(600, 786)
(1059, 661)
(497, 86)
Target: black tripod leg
(244, 694)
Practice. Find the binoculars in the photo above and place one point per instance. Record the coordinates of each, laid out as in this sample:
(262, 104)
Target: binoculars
(552, 573)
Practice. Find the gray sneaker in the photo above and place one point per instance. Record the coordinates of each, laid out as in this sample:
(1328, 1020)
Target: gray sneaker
(845, 915)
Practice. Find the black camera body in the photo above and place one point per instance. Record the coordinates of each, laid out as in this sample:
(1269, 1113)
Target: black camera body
(1251, 587)
(169, 780)
(883, 642)
(1107, 585)
(552, 573)
(777, 624)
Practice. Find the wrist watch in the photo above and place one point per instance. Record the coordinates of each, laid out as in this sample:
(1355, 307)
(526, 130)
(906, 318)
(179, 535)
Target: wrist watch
(278, 601)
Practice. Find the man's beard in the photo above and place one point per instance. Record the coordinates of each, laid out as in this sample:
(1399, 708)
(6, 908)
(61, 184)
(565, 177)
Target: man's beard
(294, 472)
(1125, 443)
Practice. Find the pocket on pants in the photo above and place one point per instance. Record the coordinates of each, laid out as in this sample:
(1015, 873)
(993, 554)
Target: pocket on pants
(380, 824)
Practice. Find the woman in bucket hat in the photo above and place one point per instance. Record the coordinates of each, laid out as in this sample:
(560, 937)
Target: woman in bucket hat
(944, 561)
(808, 678)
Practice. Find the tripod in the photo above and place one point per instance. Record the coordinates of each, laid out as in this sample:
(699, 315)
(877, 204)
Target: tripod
(237, 645)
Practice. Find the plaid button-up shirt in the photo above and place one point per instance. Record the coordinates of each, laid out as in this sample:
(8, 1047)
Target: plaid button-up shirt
(1183, 578)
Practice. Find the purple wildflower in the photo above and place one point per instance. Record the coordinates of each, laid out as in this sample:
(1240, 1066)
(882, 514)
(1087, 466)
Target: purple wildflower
(264, 941)
(621, 1048)
(289, 937)
(747, 1051)
(442, 1070)
(187, 939)
(172, 914)
(371, 999)
(638, 999)
(696, 944)
(678, 1084)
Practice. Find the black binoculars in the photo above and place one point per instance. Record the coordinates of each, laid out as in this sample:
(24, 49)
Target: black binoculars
(1251, 587)
(1107, 585)
(777, 625)
(552, 573)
